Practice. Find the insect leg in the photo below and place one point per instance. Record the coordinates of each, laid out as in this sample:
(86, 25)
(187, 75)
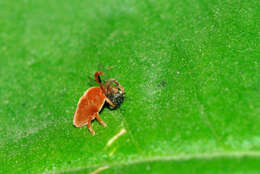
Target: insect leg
(90, 128)
(109, 81)
(98, 79)
(109, 102)
(100, 121)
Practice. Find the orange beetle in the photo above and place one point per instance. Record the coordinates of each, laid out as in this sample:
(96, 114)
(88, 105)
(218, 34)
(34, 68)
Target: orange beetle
(93, 100)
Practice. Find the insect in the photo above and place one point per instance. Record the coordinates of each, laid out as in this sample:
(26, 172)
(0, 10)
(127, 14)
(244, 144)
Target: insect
(93, 100)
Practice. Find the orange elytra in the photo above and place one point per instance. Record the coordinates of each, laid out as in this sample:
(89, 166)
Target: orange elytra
(93, 100)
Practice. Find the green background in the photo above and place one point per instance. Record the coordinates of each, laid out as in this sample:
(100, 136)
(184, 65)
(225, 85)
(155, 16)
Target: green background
(190, 70)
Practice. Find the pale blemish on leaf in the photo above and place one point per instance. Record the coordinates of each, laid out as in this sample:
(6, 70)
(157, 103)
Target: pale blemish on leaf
(114, 138)
(112, 152)
(100, 170)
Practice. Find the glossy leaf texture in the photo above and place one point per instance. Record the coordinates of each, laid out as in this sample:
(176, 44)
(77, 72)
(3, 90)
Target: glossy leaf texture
(190, 70)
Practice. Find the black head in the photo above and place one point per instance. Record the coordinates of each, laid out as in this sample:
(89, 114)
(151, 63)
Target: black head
(116, 98)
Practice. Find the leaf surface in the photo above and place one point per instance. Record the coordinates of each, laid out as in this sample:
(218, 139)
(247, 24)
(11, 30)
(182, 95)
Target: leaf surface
(190, 70)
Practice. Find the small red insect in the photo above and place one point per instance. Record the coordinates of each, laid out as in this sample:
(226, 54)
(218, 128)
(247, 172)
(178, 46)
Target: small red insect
(93, 100)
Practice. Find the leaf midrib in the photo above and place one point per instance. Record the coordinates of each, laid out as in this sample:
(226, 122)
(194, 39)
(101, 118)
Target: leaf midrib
(184, 157)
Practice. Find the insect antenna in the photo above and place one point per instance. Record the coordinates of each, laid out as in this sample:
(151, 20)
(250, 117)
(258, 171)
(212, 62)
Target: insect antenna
(91, 81)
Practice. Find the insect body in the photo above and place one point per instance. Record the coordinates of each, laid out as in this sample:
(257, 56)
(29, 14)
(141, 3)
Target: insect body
(93, 100)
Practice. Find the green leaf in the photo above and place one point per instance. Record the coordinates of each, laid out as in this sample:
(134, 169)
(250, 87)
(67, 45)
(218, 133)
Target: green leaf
(190, 70)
